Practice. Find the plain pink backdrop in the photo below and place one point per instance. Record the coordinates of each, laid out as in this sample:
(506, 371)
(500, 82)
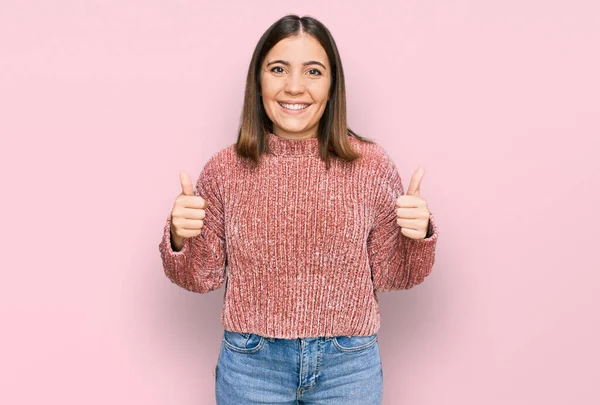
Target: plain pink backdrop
(102, 103)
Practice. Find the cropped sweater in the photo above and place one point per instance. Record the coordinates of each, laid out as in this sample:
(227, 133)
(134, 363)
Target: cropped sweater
(302, 250)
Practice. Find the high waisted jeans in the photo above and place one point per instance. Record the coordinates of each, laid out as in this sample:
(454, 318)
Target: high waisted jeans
(253, 369)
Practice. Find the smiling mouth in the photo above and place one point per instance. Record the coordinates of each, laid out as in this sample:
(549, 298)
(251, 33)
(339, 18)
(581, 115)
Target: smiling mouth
(293, 107)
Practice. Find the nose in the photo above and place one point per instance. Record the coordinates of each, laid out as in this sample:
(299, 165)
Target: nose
(294, 84)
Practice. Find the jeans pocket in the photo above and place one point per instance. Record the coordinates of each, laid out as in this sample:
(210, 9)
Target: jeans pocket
(353, 344)
(243, 342)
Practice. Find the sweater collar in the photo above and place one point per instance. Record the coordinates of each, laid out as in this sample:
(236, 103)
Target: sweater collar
(287, 147)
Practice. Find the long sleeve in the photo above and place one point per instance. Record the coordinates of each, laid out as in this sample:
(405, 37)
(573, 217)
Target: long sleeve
(397, 261)
(200, 265)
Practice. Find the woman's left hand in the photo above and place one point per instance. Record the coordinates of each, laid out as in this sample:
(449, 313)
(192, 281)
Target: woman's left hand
(411, 209)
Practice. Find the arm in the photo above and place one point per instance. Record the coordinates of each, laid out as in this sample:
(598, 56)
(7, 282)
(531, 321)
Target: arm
(397, 261)
(200, 264)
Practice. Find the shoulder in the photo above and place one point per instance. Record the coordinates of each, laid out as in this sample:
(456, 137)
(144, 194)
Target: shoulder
(221, 159)
(214, 170)
(374, 156)
(382, 170)
(224, 154)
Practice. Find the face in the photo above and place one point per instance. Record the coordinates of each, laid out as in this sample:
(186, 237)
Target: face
(295, 79)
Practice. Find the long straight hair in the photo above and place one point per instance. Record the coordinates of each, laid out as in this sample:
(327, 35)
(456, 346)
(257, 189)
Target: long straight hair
(333, 130)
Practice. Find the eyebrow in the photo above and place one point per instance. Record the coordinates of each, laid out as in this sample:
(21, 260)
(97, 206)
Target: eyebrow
(286, 63)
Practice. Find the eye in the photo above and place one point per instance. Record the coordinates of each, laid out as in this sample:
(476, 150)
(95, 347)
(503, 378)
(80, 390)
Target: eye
(316, 70)
(276, 67)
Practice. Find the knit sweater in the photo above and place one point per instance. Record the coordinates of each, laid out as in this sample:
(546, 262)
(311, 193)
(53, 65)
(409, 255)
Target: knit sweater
(303, 250)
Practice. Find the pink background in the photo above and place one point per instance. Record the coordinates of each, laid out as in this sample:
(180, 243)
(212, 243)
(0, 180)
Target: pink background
(102, 103)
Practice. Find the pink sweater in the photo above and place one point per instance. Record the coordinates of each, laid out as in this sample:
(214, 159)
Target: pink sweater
(306, 250)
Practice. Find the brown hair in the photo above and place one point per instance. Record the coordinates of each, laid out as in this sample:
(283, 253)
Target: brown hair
(333, 130)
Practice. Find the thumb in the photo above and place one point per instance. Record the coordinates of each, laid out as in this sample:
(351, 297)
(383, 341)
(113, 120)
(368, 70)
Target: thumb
(414, 188)
(186, 184)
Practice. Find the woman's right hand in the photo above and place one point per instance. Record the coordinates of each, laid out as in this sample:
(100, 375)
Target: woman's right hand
(187, 214)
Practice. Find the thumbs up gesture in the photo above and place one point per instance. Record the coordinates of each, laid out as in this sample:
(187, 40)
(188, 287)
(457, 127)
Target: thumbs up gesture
(187, 214)
(411, 209)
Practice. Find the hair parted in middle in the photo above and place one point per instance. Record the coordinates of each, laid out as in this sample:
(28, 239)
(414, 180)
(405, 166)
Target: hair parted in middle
(333, 130)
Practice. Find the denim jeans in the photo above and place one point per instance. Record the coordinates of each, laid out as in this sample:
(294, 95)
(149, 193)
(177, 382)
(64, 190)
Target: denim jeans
(253, 369)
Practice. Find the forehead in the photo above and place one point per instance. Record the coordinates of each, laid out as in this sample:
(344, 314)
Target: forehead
(298, 49)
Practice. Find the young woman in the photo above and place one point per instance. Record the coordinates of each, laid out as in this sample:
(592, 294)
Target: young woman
(311, 221)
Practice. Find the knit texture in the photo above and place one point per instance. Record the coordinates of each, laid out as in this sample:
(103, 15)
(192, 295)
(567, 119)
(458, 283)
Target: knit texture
(304, 251)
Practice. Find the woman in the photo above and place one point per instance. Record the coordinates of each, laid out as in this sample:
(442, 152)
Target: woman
(311, 221)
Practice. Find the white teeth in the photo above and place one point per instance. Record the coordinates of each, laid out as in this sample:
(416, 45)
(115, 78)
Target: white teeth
(294, 106)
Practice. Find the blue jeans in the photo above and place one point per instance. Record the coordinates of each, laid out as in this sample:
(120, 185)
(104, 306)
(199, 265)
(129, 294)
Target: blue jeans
(253, 369)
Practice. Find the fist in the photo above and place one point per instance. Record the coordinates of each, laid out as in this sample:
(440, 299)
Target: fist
(188, 212)
(411, 209)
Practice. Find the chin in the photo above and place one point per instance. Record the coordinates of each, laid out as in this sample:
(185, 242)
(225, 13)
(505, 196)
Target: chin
(292, 129)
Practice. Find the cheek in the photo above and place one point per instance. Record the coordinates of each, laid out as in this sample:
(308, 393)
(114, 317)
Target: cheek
(269, 109)
(268, 88)
(320, 92)
(267, 96)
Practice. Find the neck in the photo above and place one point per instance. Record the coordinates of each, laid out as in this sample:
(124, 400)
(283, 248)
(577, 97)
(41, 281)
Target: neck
(293, 147)
(298, 136)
